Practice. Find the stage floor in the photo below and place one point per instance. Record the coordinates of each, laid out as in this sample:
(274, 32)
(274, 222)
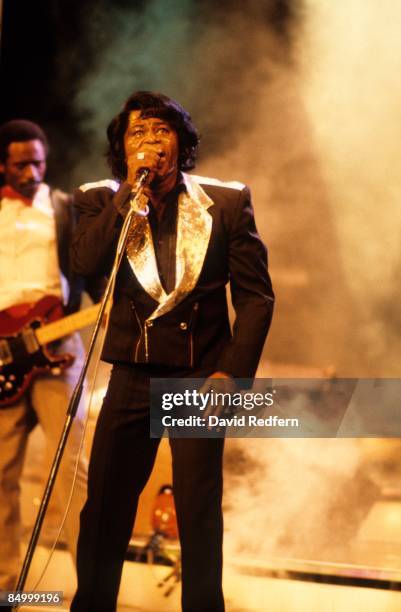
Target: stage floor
(247, 589)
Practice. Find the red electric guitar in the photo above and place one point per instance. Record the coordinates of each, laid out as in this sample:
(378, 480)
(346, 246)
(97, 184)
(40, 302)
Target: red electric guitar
(23, 340)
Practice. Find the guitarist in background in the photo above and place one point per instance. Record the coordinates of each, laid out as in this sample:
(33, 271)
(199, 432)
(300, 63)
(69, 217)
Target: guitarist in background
(36, 223)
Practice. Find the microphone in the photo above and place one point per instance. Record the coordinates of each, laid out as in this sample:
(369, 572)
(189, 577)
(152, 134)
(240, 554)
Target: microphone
(143, 172)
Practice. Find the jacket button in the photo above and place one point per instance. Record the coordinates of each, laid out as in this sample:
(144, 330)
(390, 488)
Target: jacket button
(149, 323)
(183, 325)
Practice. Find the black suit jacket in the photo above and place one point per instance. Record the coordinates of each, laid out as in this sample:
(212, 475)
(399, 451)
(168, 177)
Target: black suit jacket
(217, 242)
(65, 221)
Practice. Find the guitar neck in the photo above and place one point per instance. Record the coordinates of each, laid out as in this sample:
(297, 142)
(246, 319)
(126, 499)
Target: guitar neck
(64, 327)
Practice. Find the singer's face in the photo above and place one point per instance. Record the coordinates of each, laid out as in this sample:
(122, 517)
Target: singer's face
(156, 142)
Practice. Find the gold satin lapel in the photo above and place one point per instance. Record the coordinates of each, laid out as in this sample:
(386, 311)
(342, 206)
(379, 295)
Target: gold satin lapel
(193, 233)
(194, 226)
(142, 258)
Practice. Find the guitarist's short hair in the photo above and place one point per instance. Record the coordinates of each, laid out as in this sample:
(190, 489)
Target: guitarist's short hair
(20, 130)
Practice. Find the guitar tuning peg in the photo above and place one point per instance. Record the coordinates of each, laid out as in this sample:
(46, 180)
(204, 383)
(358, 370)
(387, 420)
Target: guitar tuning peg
(56, 371)
(8, 386)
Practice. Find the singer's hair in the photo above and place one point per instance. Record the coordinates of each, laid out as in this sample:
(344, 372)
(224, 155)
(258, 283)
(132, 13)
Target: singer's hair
(20, 130)
(157, 105)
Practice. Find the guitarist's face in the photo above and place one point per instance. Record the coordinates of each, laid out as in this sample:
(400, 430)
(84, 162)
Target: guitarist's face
(25, 166)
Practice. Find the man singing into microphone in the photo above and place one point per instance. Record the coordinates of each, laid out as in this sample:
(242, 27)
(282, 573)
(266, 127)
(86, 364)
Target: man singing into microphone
(169, 319)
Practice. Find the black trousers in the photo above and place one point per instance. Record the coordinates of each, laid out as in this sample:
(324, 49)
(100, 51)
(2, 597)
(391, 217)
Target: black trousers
(121, 461)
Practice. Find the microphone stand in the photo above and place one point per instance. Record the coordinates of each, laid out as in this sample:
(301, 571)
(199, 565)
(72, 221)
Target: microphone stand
(76, 396)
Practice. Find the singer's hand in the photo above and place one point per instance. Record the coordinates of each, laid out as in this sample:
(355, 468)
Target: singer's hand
(145, 158)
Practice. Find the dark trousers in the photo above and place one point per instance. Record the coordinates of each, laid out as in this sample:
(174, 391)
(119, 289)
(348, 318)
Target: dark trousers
(122, 458)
